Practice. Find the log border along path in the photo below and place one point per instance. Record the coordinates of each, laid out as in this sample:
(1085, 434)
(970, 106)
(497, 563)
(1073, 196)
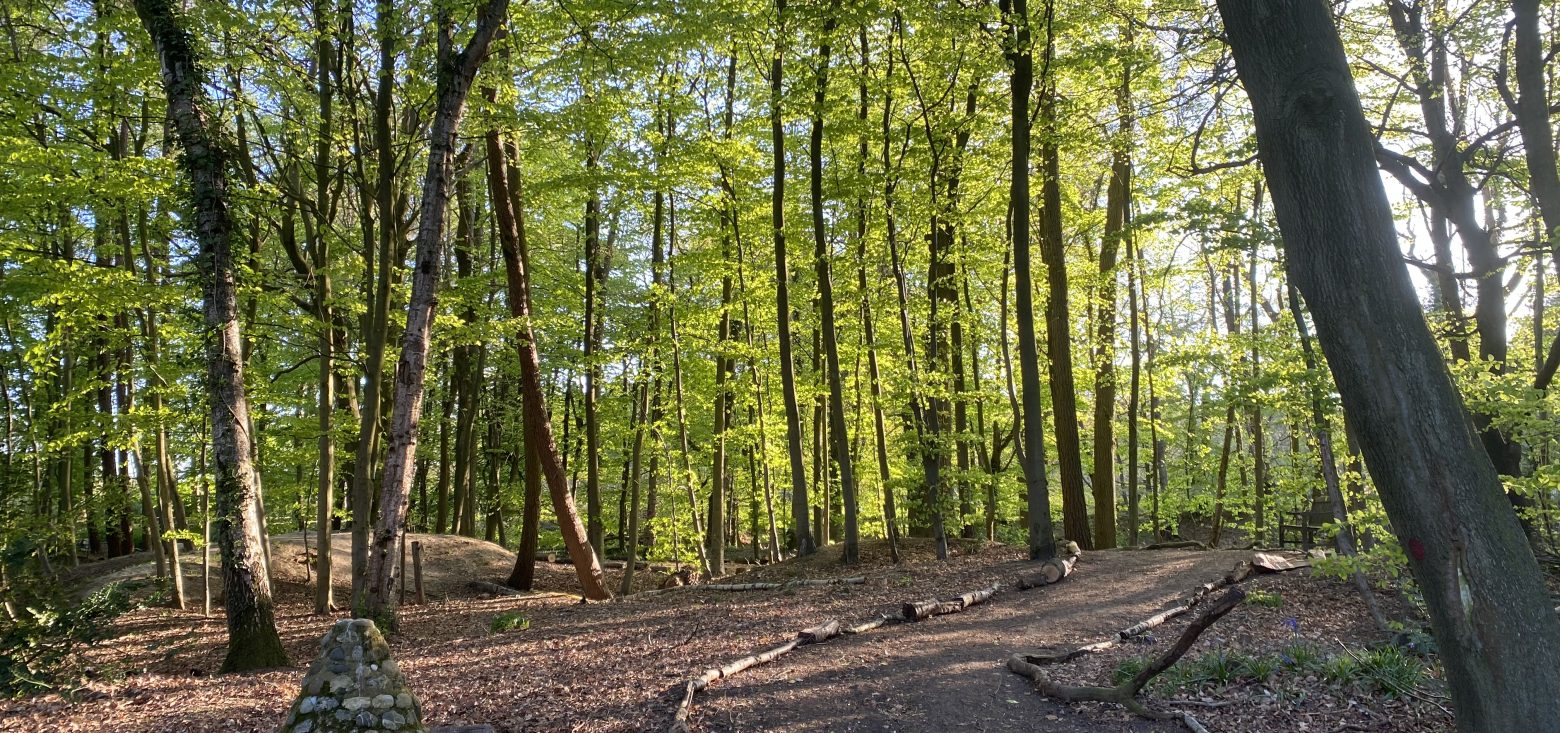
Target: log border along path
(1053, 571)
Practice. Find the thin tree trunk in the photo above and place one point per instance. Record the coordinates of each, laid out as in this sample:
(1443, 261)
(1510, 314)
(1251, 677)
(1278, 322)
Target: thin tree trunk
(1042, 545)
(800, 526)
(454, 82)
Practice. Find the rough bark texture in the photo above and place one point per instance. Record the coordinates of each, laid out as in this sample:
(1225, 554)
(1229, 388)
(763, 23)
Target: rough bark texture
(252, 639)
(1488, 607)
(456, 72)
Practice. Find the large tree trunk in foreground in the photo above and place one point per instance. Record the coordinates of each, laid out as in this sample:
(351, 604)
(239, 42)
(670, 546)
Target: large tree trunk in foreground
(1499, 635)
(538, 428)
(455, 76)
(252, 639)
(1042, 546)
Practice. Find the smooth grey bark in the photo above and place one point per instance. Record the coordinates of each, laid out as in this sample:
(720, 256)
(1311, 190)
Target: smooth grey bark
(1489, 609)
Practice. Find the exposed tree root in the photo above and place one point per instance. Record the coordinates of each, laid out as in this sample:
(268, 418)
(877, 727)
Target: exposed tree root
(1125, 694)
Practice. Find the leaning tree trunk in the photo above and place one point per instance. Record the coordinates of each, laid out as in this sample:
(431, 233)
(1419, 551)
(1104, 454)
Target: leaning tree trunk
(454, 82)
(538, 427)
(1490, 611)
(252, 639)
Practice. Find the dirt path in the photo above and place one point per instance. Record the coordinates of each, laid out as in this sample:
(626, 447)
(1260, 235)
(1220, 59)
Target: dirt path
(946, 674)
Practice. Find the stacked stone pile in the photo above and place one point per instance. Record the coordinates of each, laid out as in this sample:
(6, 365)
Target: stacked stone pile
(354, 687)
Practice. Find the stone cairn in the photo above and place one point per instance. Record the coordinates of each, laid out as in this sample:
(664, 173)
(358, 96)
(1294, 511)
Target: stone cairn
(354, 687)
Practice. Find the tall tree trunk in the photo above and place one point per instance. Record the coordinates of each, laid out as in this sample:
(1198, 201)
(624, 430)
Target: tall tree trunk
(879, 429)
(324, 601)
(595, 280)
(1042, 545)
(510, 213)
(1489, 609)
(800, 522)
(821, 256)
(252, 639)
(456, 72)
(1058, 318)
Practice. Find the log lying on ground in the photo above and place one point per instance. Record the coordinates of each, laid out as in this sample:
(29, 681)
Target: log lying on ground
(738, 587)
(920, 610)
(1053, 571)
(504, 590)
(1238, 574)
(1125, 694)
(812, 635)
(1269, 562)
(1177, 545)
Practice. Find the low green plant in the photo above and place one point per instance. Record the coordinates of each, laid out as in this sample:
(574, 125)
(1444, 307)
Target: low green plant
(1260, 668)
(1302, 656)
(1340, 669)
(1219, 667)
(509, 621)
(1128, 668)
(37, 647)
(1390, 670)
(1263, 598)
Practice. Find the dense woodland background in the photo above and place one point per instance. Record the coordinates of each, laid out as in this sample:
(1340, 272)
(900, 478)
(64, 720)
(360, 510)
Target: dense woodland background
(1182, 395)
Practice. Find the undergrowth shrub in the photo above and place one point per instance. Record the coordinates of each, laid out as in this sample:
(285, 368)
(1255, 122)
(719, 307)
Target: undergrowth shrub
(37, 648)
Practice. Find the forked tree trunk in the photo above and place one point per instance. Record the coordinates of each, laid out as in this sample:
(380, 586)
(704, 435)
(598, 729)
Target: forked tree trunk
(455, 75)
(1491, 614)
(252, 639)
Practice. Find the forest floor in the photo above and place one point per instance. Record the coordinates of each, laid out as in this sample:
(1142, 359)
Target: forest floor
(621, 666)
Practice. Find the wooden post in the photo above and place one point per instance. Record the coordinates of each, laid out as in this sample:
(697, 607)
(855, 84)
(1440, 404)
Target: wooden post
(417, 571)
(401, 601)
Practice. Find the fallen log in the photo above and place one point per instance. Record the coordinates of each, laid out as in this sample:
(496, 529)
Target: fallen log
(1053, 571)
(1239, 573)
(1269, 562)
(1177, 545)
(1125, 694)
(862, 627)
(924, 609)
(811, 635)
(821, 632)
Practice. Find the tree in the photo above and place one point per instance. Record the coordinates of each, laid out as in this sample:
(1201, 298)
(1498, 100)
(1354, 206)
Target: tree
(456, 71)
(1042, 545)
(252, 639)
(1488, 606)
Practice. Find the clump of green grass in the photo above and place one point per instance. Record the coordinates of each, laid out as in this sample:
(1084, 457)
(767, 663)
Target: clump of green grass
(1219, 667)
(1128, 668)
(1263, 598)
(509, 621)
(1302, 656)
(1340, 669)
(1260, 668)
(1390, 671)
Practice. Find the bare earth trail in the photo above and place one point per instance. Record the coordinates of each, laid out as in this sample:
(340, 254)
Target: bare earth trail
(947, 673)
(619, 667)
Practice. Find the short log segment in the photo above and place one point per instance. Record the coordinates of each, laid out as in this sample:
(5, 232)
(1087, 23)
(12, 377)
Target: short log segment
(1125, 694)
(821, 632)
(1053, 571)
(921, 610)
